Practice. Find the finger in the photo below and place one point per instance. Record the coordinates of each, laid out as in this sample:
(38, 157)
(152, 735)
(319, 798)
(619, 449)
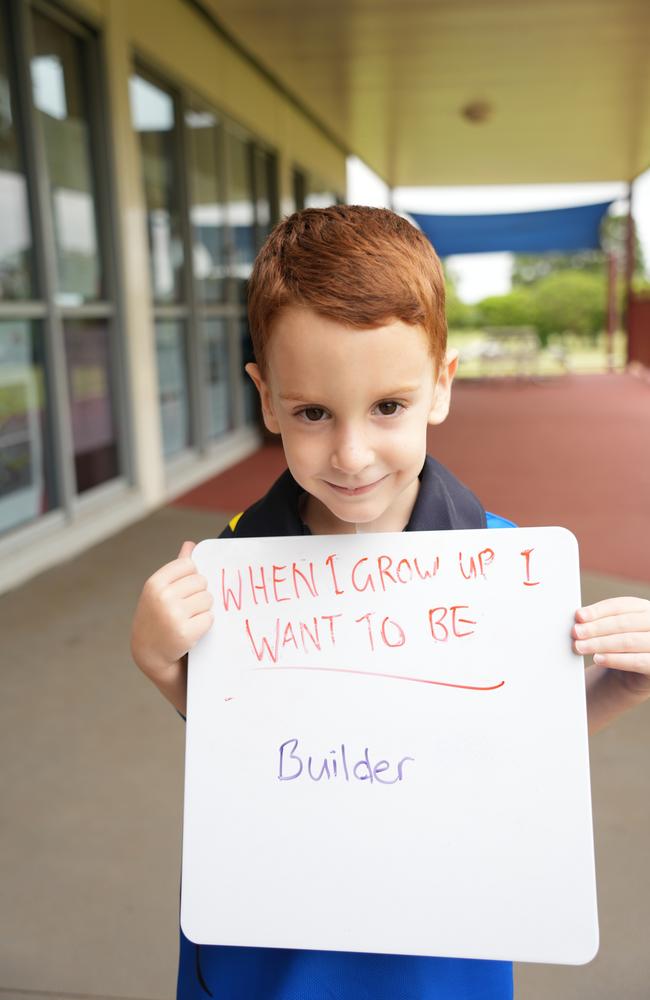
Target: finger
(186, 550)
(638, 621)
(625, 642)
(197, 627)
(172, 571)
(634, 662)
(197, 604)
(612, 606)
(188, 585)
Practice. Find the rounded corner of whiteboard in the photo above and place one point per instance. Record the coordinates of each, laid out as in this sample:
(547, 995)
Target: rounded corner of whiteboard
(201, 547)
(590, 950)
(188, 928)
(566, 534)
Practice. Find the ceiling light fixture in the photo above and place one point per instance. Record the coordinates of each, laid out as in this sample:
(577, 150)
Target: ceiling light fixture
(477, 112)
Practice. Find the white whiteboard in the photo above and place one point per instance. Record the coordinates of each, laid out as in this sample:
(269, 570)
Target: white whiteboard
(446, 806)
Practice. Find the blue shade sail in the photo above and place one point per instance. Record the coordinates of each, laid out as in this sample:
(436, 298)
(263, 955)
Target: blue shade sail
(519, 232)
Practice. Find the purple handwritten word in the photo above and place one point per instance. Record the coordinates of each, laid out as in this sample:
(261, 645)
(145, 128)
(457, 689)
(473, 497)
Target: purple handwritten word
(336, 765)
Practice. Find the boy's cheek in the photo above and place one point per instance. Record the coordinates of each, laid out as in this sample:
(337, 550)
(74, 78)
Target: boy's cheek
(299, 455)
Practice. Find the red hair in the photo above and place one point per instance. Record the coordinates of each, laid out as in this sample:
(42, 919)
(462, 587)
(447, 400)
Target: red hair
(362, 267)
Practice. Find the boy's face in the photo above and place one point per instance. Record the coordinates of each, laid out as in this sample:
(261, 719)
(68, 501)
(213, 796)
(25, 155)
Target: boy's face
(352, 407)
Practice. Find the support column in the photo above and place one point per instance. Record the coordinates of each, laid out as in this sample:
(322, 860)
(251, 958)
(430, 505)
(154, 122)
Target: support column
(612, 307)
(630, 253)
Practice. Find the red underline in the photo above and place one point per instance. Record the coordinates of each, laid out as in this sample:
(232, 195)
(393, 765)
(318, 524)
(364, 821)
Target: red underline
(394, 677)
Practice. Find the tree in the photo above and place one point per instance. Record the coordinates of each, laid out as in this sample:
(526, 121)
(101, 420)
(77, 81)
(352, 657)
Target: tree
(528, 269)
(563, 302)
(460, 316)
(569, 302)
(514, 309)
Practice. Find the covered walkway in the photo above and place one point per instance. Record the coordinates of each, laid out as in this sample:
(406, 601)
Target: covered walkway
(92, 775)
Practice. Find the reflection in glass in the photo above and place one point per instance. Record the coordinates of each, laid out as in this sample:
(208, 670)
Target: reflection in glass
(265, 192)
(173, 386)
(206, 208)
(318, 196)
(26, 468)
(241, 211)
(59, 87)
(15, 234)
(299, 189)
(310, 192)
(216, 376)
(154, 119)
(91, 402)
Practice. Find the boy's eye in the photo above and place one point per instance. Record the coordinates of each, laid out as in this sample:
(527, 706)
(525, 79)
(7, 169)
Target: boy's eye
(312, 413)
(388, 407)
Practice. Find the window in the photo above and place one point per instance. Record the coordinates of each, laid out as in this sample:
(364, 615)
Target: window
(211, 195)
(90, 397)
(154, 118)
(154, 111)
(173, 388)
(59, 88)
(310, 192)
(59, 433)
(27, 482)
(299, 189)
(16, 262)
(266, 193)
(207, 210)
(240, 212)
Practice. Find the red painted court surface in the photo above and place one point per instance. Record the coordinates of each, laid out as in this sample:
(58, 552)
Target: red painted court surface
(573, 451)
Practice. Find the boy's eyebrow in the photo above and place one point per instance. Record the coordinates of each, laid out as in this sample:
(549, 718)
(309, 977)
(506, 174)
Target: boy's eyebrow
(405, 390)
(295, 397)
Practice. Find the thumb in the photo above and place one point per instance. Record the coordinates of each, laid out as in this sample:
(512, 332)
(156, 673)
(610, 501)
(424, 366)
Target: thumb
(186, 550)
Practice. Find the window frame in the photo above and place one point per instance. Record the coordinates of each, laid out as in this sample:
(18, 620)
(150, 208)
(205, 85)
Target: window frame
(304, 182)
(43, 305)
(191, 310)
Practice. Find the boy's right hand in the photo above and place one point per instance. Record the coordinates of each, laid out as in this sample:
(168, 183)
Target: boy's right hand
(172, 614)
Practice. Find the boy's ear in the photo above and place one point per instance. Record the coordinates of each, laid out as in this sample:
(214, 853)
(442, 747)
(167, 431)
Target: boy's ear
(442, 392)
(268, 414)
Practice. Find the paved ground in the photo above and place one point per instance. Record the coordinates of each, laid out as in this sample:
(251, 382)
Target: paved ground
(92, 777)
(573, 451)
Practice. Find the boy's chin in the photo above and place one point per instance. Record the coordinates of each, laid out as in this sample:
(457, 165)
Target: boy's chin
(385, 510)
(338, 518)
(358, 517)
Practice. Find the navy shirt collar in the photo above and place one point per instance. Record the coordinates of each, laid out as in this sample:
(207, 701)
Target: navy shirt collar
(443, 503)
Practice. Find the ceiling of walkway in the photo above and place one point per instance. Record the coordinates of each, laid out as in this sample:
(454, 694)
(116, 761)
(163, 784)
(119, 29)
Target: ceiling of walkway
(465, 91)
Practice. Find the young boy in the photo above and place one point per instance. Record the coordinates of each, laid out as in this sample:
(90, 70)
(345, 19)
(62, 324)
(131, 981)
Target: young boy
(347, 317)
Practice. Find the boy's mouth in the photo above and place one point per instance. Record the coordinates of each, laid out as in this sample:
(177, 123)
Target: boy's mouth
(353, 491)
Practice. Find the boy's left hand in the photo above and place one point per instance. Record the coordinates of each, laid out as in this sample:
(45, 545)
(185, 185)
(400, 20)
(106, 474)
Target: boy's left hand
(617, 633)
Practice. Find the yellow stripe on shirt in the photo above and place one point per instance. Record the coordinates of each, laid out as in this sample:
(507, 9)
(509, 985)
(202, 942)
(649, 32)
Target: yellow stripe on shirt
(232, 524)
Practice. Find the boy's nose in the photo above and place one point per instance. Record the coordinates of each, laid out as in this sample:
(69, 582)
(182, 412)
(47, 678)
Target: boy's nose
(352, 453)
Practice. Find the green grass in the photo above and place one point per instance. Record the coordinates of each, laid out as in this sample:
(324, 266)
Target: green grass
(583, 356)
